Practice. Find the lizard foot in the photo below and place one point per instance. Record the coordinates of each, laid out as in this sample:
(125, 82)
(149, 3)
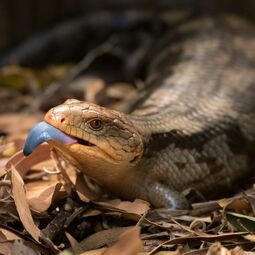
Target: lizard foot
(162, 197)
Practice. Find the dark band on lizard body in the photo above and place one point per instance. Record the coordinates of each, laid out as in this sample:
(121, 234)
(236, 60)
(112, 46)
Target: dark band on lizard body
(192, 127)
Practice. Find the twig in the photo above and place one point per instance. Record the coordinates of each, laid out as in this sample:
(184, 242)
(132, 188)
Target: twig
(78, 69)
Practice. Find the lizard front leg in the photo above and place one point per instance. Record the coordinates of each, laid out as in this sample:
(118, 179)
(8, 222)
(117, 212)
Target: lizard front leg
(160, 192)
(161, 196)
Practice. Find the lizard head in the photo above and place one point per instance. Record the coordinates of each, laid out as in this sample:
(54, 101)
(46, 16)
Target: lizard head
(97, 137)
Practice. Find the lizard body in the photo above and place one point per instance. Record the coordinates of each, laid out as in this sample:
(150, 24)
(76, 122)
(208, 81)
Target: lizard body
(192, 127)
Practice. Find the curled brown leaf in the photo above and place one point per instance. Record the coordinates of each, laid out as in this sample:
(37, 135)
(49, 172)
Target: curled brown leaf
(19, 196)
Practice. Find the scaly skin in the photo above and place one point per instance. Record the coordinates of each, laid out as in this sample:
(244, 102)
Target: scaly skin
(192, 127)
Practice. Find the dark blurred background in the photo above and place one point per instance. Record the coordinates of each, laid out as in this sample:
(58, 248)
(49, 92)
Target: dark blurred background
(94, 50)
(21, 18)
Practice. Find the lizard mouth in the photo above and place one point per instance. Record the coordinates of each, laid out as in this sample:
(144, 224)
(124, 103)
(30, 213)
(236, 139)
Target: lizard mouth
(43, 132)
(85, 143)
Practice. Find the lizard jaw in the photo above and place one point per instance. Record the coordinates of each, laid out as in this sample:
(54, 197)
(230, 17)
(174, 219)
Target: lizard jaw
(44, 132)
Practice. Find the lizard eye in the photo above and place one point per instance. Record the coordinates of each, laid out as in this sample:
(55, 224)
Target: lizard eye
(96, 124)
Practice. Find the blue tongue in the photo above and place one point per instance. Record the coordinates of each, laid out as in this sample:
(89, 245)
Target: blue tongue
(43, 132)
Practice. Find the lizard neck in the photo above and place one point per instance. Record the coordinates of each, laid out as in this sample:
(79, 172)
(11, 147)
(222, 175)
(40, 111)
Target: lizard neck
(122, 180)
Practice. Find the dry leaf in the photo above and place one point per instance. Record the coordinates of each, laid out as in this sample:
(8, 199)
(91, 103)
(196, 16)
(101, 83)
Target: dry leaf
(9, 236)
(92, 88)
(239, 204)
(13, 161)
(201, 237)
(19, 196)
(91, 212)
(101, 251)
(23, 164)
(5, 248)
(43, 200)
(9, 149)
(250, 237)
(19, 247)
(15, 125)
(101, 238)
(218, 249)
(136, 207)
(94, 252)
(85, 189)
(6, 146)
(239, 251)
(74, 243)
(165, 253)
(129, 243)
(2, 168)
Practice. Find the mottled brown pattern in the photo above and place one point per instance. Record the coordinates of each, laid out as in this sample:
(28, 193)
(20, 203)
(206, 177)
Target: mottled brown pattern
(199, 120)
(192, 127)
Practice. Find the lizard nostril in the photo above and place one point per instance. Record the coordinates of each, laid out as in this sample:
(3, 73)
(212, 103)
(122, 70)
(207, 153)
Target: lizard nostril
(62, 120)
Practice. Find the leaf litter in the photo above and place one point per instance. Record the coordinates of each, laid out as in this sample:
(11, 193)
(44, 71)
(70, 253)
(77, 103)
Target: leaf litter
(43, 212)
